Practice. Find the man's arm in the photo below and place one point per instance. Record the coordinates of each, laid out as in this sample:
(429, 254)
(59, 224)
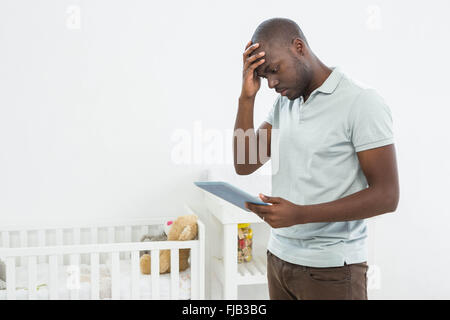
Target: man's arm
(382, 196)
(247, 152)
(248, 146)
(380, 168)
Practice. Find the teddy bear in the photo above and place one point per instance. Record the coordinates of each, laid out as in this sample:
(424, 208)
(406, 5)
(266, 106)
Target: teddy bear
(182, 229)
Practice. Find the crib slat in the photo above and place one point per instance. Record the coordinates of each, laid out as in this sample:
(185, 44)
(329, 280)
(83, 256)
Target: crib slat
(127, 234)
(94, 235)
(144, 230)
(53, 261)
(95, 278)
(75, 276)
(127, 238)
(60, 242)
(115, 276)
(135, 270)
(75, 260)
(32, 273)
(155, 273)
(76, 235)
(11, 278)
(111, 235)
(174, 274)
(23, 244)
(23, 238)
(41, 237)
(59, 237)
(41, 242)
(5, 239)
(195, 267)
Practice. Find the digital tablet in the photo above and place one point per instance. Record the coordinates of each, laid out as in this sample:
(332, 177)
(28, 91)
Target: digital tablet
(230, 193)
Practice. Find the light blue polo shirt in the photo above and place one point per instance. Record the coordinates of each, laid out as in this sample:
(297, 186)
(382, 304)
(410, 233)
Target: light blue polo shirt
(314, 160)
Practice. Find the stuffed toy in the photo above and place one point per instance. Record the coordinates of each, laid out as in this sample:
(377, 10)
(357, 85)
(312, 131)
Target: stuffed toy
(147, 237)
(182, 229)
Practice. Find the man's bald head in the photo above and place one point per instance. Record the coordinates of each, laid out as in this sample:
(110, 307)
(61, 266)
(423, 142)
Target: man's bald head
(278, 32)
(288, 61)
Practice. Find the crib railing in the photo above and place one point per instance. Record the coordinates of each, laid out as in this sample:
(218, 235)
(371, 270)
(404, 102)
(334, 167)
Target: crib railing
(74, 251)
(54, 254)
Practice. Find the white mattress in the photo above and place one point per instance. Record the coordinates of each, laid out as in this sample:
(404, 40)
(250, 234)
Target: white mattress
(68, 275)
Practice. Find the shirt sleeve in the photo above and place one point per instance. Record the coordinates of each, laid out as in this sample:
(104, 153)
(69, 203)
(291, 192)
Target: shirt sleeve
(270, 115)
(371, 122)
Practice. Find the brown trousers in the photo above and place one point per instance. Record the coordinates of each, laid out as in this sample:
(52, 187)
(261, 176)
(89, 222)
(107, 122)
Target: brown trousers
(289, 281)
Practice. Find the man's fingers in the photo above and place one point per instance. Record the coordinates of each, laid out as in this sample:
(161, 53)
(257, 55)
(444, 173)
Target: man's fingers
(250, 69)
(255, 65)
(269, 199)
(252, 62)
(252, 58)
(264, 212)
(258, 209)
(249, 50)
(248, 44)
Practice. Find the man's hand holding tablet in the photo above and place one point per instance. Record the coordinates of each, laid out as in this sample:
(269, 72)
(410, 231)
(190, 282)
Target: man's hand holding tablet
(276, 211)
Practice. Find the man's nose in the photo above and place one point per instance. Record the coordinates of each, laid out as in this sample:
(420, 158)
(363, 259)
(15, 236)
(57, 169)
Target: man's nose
(272, 83)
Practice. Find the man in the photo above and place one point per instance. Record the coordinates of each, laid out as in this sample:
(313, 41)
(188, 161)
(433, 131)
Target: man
(336, 165)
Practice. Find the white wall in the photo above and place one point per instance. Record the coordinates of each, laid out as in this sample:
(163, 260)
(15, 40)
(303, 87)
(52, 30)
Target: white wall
(93, 94)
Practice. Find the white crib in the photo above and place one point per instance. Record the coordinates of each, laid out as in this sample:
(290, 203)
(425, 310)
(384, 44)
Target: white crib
(112, 246)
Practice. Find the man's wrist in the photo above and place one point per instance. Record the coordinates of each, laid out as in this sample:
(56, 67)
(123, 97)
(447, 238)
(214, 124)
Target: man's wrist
(301, 214)
(246, 99)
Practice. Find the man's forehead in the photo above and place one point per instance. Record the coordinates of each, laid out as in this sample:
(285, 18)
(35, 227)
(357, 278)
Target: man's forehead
(261, 69)
(271, 56)
(268, 61)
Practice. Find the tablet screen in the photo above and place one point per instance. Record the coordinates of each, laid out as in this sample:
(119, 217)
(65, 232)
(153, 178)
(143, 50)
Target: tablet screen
(230, 193)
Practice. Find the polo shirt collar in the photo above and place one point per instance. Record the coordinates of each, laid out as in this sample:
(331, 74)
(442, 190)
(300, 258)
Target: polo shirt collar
(330, 84)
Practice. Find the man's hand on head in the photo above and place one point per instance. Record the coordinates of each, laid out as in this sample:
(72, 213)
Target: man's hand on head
(250, 81)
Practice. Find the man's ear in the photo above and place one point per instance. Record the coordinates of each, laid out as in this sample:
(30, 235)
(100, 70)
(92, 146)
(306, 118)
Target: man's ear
(299, 46)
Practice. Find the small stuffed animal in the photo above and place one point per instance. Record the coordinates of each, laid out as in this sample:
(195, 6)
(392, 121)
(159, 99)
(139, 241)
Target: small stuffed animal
(182, 229)
(146, 237)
